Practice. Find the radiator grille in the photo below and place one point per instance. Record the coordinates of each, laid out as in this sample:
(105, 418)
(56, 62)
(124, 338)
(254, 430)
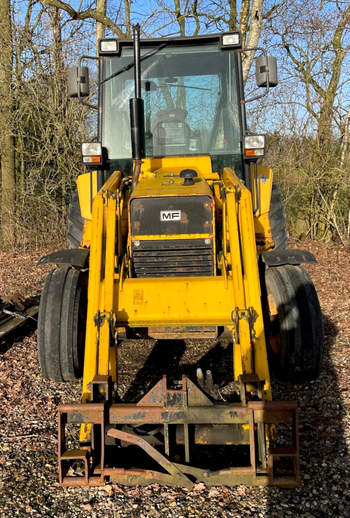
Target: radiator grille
(173, 258)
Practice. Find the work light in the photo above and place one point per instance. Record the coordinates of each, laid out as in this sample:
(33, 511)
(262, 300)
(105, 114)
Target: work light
(230, 40)
(109, 46)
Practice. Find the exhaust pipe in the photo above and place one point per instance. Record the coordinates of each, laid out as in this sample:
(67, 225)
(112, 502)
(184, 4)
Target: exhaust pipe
(137, 117)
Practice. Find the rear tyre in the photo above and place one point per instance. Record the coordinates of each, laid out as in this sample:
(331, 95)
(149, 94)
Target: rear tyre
(294, 326)
(61, 325)
(277, 218)
(75, 223)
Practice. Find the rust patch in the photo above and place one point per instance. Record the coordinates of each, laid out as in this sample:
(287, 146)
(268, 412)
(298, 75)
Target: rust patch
(184, 218)
(136, 225)
(138, 297)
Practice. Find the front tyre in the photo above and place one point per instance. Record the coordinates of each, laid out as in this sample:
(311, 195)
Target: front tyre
(294, 324)
(61, 324)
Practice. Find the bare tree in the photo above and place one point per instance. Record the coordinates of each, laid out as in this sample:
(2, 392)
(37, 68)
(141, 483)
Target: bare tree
(187, 17)
(245, 16)
(317, 40)
(101, 8)
(7, 142)
(46, 128)
(98, 14)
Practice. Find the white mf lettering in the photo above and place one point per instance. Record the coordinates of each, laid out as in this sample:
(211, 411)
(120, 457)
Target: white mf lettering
(170, 215)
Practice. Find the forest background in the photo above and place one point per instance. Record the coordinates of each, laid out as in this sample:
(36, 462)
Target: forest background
(306, 117)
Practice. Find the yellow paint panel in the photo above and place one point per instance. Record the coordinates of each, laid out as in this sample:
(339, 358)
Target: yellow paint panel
(265, 178)
(175, 301)
(94, 293)
(261, 218)
(252, 349)
(162, 183)
(201, 164)
(101, 284)
(171, 237)
(84, 192)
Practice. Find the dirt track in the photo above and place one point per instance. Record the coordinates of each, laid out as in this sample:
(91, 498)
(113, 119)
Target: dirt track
(28, 405)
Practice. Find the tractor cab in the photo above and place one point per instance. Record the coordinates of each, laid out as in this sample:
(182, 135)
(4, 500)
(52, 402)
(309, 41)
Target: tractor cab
(193, 101)
(191, 92)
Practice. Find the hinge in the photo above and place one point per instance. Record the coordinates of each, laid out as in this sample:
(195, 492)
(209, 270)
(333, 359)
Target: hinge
(99, 319)
(252, 317)
(248, 314)
(238, 194)
(223, 193)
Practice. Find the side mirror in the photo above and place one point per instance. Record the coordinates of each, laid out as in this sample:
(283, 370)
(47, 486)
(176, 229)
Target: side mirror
(266, 67)
(78, 82)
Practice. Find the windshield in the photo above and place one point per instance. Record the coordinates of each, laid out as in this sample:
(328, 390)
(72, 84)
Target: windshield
(190, 99)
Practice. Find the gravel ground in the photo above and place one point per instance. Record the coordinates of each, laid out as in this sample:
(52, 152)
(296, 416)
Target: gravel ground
(28, 480)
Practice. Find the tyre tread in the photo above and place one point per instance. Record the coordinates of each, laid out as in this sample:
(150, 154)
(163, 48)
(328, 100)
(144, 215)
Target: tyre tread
(58, 325)
(277, 216)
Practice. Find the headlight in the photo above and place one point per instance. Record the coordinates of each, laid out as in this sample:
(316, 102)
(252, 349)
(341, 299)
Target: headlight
(254, 146)
(92, 153)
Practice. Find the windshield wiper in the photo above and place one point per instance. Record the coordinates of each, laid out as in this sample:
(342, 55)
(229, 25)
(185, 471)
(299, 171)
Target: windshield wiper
(186, 86)
(128, 66)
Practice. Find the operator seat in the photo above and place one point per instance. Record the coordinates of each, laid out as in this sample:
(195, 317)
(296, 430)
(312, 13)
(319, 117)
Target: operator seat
(171, 133)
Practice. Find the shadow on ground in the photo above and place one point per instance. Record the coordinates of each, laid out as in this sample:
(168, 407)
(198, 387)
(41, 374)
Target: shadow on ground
(176, 357)
(325, 481)
(324, 489)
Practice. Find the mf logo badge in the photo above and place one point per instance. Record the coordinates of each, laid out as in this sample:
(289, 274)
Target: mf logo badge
(170, 215)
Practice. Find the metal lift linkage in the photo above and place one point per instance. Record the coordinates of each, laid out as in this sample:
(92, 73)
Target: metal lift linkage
(188, 418)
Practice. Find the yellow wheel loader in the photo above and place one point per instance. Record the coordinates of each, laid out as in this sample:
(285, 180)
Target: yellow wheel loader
(177, 233)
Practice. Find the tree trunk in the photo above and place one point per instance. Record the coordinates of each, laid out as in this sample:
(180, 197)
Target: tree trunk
(7, 143)
(325, 135)
(101, 6)
(58, 94)
(250, 27)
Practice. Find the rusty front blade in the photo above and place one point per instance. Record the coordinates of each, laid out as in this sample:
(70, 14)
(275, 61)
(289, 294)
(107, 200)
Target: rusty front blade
(158, 457)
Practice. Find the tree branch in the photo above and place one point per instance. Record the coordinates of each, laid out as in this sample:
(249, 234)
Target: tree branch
(88, 13)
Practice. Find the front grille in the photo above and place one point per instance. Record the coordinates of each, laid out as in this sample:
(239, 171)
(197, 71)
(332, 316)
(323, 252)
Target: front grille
(154, 216)
(173, 258)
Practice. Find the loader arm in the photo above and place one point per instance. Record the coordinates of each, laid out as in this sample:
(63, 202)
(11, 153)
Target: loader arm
(231, 299)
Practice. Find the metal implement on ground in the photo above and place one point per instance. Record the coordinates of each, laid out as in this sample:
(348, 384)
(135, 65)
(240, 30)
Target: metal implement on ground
(177, 233)
(14, 314)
